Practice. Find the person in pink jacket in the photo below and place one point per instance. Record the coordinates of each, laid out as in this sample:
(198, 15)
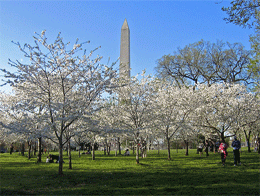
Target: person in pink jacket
(223, 150)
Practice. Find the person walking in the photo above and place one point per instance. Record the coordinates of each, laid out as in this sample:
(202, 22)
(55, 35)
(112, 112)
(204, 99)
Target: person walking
(223, 151)
(236, 146)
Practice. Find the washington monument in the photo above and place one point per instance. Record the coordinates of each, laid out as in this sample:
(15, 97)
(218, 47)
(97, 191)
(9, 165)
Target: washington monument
(124, 67)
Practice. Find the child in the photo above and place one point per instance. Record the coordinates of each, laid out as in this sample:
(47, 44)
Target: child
(223, 150)
(47, 160)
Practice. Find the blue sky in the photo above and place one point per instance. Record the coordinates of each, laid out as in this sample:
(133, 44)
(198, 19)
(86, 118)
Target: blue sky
(157, 28)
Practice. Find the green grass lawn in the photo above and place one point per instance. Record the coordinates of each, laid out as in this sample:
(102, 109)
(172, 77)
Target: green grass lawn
(155, 175)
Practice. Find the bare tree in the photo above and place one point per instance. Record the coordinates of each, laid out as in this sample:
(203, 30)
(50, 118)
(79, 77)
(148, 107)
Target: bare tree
(203, 62)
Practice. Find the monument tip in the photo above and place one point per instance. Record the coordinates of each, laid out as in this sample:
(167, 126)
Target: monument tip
(125, 25)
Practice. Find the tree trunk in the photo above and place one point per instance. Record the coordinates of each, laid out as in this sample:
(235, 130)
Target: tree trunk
(29, 149)
(258, 147)
(141, 150)
(60, 157)
(119, 146)
(35, 149)
(105, 150)
(248, 140)
(222, 136)
(169, 148)
(158, 146)
(22, 150)
(258, 144)
(116, 148)
(248, 144)
(93, 151)
(137, 153)
(39, 156)
(108, 148)
(187, 147)
(69, 150)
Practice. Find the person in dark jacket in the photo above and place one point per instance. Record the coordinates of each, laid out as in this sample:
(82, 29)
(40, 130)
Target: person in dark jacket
(236, 146)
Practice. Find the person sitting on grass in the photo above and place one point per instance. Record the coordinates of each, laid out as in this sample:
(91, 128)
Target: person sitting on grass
(127, 152)
(223, 150)
(53, 157)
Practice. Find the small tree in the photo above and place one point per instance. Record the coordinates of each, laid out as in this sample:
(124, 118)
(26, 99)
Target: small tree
(254, 67)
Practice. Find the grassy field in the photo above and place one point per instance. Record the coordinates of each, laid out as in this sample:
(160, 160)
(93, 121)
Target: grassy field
(155, 175)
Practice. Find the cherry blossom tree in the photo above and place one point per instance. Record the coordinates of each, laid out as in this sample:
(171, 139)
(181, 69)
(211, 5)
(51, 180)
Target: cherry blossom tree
(219, 108)
(19, 121)
(187, 133)
(109, 124)
(249, 118)
(130, 107)
(61, 84)
(172, 107)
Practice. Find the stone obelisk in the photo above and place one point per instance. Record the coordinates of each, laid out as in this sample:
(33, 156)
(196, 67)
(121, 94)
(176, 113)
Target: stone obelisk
(124, 67)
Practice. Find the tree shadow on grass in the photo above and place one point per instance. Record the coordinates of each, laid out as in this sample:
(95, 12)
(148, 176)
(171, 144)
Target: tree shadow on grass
(182, 181)
(153, 176)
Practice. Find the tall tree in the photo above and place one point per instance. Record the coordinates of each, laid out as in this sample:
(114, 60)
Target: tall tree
(60, 83)
(246, 13)
(254, 67)
(204, 62)
(242, 12)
